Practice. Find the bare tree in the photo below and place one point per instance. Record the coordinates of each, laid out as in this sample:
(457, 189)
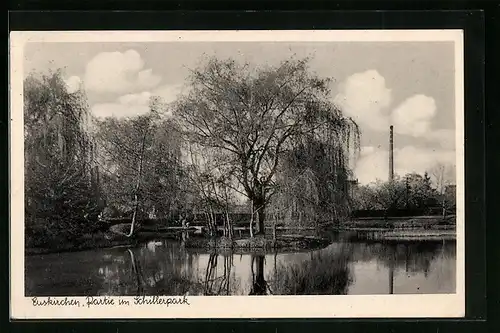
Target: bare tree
(443, 177)
(213, 186)
(127, 147)
(251, 117)
(145, 129)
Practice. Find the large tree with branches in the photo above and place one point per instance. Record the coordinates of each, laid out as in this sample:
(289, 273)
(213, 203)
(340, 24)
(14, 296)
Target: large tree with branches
(253, 116)
(61, 190)
(139, 158)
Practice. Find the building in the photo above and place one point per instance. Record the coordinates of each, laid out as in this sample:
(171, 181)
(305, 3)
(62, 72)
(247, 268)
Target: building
(352, 184)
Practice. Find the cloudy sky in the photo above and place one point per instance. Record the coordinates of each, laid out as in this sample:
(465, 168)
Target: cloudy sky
(407, 84)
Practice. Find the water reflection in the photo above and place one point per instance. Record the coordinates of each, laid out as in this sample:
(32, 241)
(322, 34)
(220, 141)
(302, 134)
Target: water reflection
(219, 284)
(259, 284)
(167, 268)
(323, 273)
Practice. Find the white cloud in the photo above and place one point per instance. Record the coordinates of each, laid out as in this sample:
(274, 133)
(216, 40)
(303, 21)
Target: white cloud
(413, 116)
(373, 163)
(73, 84)
(130, 105)
(135, 99)
(118, 110)
(365, 97)
(119, 72)
(168, 92)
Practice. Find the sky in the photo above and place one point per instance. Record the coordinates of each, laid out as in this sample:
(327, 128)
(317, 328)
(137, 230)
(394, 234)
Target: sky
(410, 85)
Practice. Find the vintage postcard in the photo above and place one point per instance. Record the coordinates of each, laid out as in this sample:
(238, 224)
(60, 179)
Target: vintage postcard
(237, 174)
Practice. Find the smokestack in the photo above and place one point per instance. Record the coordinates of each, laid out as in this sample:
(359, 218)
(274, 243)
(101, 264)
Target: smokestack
(391, 153)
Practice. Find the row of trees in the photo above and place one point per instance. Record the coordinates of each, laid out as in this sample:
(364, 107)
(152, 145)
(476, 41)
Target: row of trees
(411, 192)
(267, 136)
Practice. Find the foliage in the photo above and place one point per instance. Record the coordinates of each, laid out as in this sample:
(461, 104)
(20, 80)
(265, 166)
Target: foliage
(364, 198)
(141, 159)
(413, 192)
(239, 132)
(314, 181)
(252, 118)
(61, 197)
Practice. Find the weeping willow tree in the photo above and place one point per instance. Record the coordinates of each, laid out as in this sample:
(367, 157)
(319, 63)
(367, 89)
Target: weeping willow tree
(61, 196)
(254, 117)
(313, 179)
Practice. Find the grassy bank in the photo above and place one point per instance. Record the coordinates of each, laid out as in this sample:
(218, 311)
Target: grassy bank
(95, 241)
(401, 228)
(258, 243)
(242, 245)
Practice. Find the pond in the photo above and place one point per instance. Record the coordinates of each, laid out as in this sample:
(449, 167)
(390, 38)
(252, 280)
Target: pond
(349, 265)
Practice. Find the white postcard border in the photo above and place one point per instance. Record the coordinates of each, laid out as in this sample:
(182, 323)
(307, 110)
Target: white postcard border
(372, 306)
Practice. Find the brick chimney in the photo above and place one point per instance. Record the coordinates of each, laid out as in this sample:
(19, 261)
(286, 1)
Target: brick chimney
(391, 153)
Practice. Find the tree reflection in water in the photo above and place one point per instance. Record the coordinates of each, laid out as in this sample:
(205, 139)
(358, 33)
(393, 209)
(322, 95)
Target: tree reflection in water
(111, 276)
(165, 268)
(414, 257)
(325, 273)
(259, 284)
(215, 284)
(137, 272)
(145, 271)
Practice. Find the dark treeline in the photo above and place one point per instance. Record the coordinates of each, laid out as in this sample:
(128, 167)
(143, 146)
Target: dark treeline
(400, 212)
(411, 195)
(266, 142)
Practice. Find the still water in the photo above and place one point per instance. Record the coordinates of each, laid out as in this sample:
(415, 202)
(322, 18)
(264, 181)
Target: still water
(164, 267)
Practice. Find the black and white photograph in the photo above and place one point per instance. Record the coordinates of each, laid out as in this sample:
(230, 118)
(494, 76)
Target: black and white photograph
(187, 167)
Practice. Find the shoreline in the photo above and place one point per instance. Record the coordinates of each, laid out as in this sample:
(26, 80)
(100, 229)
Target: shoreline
(259, 242)
(407, 229)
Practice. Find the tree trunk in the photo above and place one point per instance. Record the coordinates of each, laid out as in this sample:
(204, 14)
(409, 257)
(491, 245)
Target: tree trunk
(209, 223)
(136, 203)
(251, 222)
(138, 185)
(260, 209)
(228, 226)
(212, 222)
(444, 208)
(257, 230)
(274, 227)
